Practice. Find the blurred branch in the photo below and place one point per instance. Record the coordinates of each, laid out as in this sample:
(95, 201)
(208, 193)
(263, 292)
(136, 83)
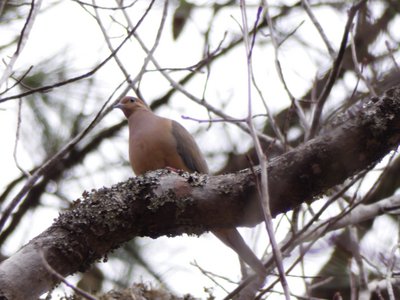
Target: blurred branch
(35, 7)
(2, 5)
(95, 6)
(26, 173)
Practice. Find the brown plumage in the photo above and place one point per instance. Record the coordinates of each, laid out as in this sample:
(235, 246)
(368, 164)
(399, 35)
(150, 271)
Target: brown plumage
(156, 143)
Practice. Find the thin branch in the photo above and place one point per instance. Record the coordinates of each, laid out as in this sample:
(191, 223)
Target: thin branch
(357, 65)
(265, 197)
(110, 47)
(278, 67)
(271, 118)
(22, 40)
(318, 26)
(17, 81)
(390, 50)
(210, 275)
(17, 132)
(335, 71)
(95, 6)
(156, 41)
(77, 290)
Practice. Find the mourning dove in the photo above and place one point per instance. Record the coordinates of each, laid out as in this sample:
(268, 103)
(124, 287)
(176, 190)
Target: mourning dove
(156, 143)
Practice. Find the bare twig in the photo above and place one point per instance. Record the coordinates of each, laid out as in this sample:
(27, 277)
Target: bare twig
(214, 120)
(318, 26)
(95, 6)
(17, 81)
(25, 172)
(262, 159)
(77, 290)
(390, 50)
(271, 118)
(22, 39)
(211, 275)
(278, 67)
(110, 47)
(156, 41)
(357, 65)
(335, 71)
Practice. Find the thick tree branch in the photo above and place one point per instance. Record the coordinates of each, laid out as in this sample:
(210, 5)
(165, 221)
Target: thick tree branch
(164, 203)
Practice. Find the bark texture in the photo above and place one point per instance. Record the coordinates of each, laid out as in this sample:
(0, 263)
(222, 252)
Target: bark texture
(165, 203)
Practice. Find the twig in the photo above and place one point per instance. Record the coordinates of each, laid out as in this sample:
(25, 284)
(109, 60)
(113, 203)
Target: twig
(376, 286)
(61, 278)
(156, 41)
(271, 118)
(214, 120)
(278, 67)
(211, 275)
(25, 172)
(262, 159)
(318, 26)
(390, 50)
(17, 81)
(82, 3)
(335, 71)
(357, 65)
(221, 120)
(110, 47)
(355, 250)
(22, 39)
